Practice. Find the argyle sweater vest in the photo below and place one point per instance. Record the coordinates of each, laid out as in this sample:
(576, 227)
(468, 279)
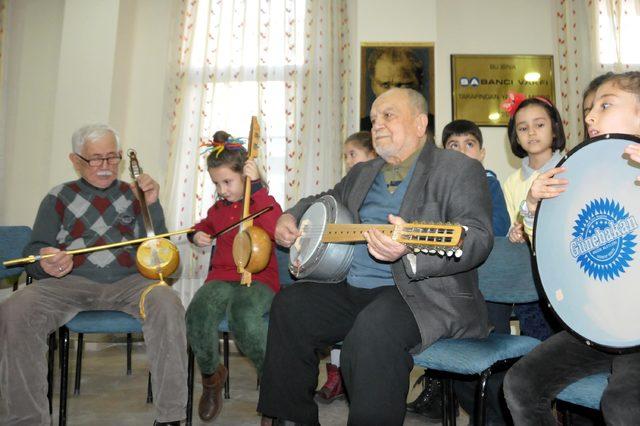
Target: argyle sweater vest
(77, 215)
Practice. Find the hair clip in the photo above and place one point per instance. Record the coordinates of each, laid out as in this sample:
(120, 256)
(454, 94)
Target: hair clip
(513, 101)
(219, 146)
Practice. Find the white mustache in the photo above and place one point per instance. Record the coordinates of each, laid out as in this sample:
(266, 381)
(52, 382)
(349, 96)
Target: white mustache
(104, 173)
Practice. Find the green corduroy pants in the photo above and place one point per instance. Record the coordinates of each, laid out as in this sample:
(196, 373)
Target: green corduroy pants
(244, 307)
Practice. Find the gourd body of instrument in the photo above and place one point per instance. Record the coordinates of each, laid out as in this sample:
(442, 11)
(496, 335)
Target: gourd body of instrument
(252, 245)
(155, 258)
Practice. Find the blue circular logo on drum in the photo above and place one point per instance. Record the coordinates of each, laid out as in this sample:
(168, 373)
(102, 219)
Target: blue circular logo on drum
(603, 239)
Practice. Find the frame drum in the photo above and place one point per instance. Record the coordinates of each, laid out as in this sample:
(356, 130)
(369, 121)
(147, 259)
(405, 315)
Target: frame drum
(309, 257)
(586, 245)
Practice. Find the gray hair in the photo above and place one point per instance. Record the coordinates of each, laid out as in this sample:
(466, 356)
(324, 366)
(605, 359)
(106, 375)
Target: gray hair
(90, 133)
(417, 100)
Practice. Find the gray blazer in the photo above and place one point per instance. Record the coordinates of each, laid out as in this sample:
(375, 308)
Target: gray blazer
(446, 186)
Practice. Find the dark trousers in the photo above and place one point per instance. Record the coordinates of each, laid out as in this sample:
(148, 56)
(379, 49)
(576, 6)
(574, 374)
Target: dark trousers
(378, 330)
(532, 383)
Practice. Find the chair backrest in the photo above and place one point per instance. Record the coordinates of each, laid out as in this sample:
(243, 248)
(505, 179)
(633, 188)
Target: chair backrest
(13, 240)
(506, 276)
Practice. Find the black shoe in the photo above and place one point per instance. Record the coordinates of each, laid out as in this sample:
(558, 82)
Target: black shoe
(429, 402)
(157, 423)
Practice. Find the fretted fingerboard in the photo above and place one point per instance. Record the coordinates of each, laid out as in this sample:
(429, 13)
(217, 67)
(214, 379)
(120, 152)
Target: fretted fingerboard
(351, 233)
(409, 234)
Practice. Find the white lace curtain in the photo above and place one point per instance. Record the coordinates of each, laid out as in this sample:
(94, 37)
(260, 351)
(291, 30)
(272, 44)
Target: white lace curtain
(287, 62)
(3, 91)
(593, 37)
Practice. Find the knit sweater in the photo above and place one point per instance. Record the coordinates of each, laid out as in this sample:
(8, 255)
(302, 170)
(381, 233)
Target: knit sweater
(77, 215)
(222, 214)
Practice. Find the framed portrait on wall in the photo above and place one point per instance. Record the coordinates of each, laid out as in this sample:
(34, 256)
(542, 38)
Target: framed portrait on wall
(388, 65)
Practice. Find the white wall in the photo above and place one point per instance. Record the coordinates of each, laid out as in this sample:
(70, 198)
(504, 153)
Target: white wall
(462, 27)
(71, 62)
(74, 62)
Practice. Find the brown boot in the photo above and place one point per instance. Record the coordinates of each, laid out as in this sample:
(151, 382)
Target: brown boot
(211, 399)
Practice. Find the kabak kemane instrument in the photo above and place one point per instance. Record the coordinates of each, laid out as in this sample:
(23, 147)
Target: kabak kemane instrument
(252, 246)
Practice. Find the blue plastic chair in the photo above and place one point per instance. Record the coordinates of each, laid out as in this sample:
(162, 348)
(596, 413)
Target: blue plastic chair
(505, 277)
(105, 322)
(13, 240)
(586, 392)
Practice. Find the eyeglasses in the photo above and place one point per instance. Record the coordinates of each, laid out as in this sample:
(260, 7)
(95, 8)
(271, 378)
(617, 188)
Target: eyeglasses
(97, 162)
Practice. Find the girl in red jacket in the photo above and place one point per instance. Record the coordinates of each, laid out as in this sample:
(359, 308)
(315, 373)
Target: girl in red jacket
(222, 295)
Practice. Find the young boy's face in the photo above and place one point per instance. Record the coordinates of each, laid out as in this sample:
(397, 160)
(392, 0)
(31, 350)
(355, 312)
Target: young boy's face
(466, 144)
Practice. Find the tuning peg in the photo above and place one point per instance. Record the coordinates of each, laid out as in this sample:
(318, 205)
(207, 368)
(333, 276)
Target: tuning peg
(449, 253)
(458, 253)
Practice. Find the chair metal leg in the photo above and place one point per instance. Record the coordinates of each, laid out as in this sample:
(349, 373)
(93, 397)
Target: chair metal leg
(76, 386)
(64, 374)
(481, 399)
(149, 390)
(50, 362)
(448, 403)
(225, 356)
(190, 368)
(129, 347)
(566, 416)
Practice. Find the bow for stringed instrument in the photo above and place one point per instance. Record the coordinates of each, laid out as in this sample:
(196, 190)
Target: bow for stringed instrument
(252, 245)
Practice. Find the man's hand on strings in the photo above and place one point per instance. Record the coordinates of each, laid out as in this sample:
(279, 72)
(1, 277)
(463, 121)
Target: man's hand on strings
(149, 187)
(383, 247)
(57, 266)
(286, 230)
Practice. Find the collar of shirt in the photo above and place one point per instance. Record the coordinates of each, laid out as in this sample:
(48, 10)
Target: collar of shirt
(394, 174)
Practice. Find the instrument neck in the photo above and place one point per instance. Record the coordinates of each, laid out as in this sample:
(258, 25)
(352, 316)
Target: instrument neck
(144, 209)
(352, 233)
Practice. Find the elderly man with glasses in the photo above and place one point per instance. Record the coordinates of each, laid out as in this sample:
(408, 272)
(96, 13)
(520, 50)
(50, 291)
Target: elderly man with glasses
(94, 210)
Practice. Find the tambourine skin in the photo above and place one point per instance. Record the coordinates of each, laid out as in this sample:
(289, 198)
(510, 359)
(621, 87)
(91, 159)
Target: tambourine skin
(157, 255)
(587, 261)
(312, 260)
